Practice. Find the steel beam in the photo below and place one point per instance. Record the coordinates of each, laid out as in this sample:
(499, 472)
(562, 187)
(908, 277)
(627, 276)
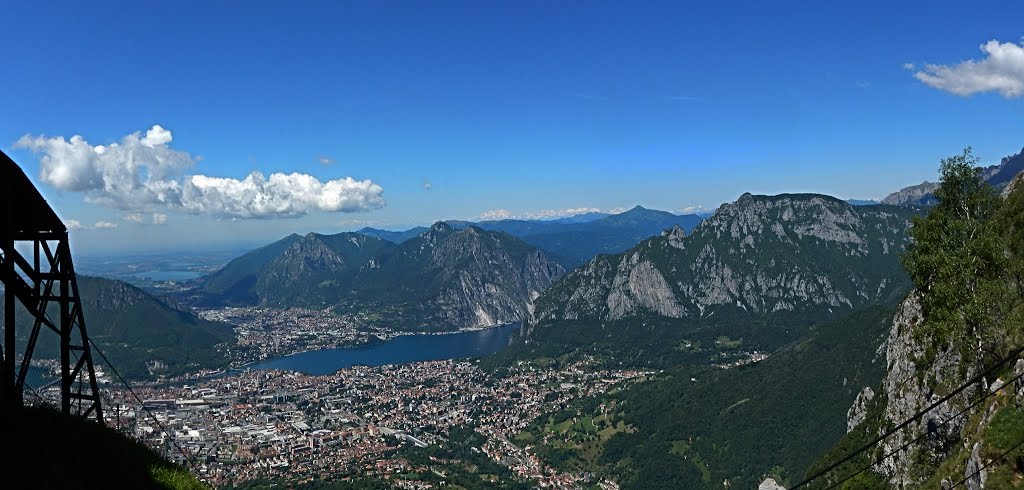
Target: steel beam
(26, 219)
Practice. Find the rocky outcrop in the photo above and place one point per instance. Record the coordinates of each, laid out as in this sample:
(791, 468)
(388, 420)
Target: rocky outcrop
(675, 236)
(1013, 185)
(1018, 385)
(918, 377)
(1008, 168)
(1001, 176)
(912, 383)
(770, 484)
(484, 282)
(759, 255)
(855, 416)
(639, 285)
(946, 441)
(920, 194)
(976, 473)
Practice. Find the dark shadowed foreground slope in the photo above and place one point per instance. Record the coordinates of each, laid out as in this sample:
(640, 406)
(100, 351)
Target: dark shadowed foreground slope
(43, 449)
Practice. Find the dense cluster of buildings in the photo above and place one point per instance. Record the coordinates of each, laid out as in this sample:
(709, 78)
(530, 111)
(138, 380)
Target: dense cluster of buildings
(264, 333)
(295, 427)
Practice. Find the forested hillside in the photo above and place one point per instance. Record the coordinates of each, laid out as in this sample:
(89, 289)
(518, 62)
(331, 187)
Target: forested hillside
(142, 335)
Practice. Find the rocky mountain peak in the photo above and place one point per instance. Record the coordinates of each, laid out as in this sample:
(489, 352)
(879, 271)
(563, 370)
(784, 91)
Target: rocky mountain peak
(309, 253)
(441, 227)
(1008, 168)
(999, 176)
(440, 279)
(785, 217)
(912, 196)
(675, 236)
(751, 255)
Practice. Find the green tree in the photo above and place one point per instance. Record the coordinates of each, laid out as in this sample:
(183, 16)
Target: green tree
(958, 260)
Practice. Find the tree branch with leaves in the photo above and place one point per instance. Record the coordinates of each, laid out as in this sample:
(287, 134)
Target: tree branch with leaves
(959, 260)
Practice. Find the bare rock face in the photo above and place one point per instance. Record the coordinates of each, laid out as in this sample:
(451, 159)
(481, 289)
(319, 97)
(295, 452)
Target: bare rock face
(1013, 185)
(913, 195)
(639, 285)
(1008, 169)
(484, 282)
(1018, 385)
(976, 474)
(759, 255)
(595, 281)
(855, 416)
(909, 389)
(675, 236)
(770, 484)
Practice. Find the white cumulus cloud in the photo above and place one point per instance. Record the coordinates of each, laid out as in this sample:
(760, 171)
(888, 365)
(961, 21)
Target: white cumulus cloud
(133, 217)
(159, 218)
(157, 136)
(74, 224)
(558, 213)
(498, 214)
(141, 173)
(295, 194)
(1001, 70)
(693, 210)
(104, 225)
(495, 214)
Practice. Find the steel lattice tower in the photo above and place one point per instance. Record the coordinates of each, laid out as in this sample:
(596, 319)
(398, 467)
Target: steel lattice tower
(45, 286)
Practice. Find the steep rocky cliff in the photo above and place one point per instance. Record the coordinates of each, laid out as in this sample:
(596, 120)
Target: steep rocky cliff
(960, 441)
(756, 256)
(961, 397)
(465, 278)
(915, 379)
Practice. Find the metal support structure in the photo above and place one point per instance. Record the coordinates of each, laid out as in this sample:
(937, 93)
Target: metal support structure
(44, 287)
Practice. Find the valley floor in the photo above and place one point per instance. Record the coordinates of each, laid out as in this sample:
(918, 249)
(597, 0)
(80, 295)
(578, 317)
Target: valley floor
(402, 423)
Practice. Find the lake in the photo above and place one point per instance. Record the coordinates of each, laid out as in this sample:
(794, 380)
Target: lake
(399, 350)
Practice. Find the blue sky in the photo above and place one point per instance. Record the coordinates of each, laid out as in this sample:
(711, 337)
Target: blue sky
(519, 106)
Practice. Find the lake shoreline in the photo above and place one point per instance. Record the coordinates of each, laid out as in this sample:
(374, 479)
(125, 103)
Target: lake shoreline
(401, 349)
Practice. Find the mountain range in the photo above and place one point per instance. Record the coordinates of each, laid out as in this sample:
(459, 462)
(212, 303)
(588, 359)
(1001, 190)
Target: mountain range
(811, 279)
(572, 240)
(763, 321)
(997, 175)
(762, 267)
(441, 279)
